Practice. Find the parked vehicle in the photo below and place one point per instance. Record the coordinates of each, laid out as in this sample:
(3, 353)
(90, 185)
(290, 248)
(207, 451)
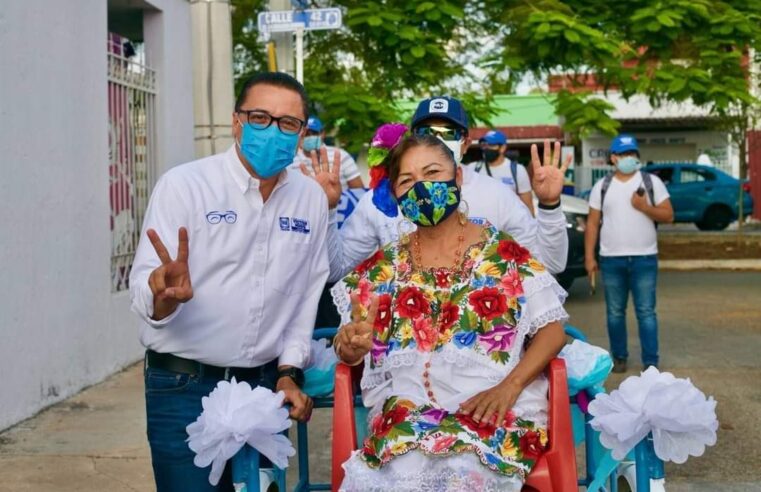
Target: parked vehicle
(703, 194)
(576, 211)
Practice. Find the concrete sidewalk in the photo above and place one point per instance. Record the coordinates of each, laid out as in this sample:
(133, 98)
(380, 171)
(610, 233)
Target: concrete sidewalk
(94, 441)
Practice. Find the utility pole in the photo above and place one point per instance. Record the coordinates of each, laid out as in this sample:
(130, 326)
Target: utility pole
(213, 96)
(283, 41)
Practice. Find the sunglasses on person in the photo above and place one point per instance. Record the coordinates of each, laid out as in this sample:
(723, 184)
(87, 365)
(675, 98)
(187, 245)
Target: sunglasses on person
(443, 132)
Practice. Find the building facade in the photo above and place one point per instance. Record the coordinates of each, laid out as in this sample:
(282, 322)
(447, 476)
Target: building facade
(96, 100)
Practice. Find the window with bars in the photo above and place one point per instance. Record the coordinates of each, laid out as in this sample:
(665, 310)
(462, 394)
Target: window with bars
(132, 150)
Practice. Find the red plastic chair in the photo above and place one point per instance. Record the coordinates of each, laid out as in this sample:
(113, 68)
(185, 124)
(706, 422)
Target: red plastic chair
(554, 472)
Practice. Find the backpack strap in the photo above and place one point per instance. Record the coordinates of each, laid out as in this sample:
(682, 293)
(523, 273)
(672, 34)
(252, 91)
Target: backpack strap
(647, 180)
(605, 185)
(514, 170)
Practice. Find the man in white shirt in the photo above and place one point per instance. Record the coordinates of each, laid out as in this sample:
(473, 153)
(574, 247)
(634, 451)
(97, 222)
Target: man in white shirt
(628, 203)
(240, 297)
(498, 166)
(368, 229)
(313, 141)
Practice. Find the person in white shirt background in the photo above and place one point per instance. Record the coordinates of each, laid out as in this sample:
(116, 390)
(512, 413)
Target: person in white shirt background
(498, 166)
(628, 203)
(367, 229)
(313, 142)
(240, 297)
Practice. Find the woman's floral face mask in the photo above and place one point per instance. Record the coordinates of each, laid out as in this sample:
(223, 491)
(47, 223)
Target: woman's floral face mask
(428, 203)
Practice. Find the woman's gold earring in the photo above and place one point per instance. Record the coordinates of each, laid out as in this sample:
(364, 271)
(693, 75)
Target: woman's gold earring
(464, 210)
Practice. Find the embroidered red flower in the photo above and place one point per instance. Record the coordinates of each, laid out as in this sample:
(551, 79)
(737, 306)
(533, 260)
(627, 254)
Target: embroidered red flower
(450, 313)
(484, 429)
(442, 278)
(369, 263)
(425, 334)
(510, 250)
(443, 443)
(364, 289)
(388, 420)
(511, 284)
(488, 302)
(411, 303)
(531, 445)
(383, 318)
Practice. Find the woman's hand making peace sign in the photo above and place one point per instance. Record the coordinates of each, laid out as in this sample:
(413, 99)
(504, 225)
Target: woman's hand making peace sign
(355, 339)
(170, 282)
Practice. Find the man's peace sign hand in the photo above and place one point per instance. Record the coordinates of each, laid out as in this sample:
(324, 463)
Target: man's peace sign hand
(170, 282)
(549, 175)
(329, 177)
(355, 339)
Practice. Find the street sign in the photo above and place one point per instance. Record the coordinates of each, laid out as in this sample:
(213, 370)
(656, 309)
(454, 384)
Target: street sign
(291, 20)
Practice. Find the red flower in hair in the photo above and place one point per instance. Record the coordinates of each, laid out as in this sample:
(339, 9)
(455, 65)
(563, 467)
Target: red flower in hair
(377, 173)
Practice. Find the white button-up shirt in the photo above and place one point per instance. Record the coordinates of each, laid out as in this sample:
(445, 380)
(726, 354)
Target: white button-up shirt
(367, 229)
(257, 272)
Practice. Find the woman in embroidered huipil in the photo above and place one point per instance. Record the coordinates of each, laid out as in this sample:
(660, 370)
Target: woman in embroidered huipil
(442, 321)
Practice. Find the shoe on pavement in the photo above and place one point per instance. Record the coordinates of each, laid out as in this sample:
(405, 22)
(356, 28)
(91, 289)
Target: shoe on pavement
(619, 365)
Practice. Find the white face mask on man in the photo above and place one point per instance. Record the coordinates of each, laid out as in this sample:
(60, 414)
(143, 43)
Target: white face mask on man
(455, 146)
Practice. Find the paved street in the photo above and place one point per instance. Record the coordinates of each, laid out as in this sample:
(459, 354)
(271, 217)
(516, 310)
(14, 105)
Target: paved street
(710, 332)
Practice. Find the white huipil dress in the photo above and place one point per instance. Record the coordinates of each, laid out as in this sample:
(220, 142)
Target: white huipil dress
(441, 337)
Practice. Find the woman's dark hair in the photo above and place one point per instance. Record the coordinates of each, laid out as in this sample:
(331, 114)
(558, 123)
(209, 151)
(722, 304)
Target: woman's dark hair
(277, 79)
(394, 159)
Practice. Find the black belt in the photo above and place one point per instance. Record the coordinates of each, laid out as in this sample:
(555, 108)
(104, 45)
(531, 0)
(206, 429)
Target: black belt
(169, 362)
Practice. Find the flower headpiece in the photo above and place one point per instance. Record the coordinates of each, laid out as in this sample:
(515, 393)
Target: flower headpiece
(387, 136)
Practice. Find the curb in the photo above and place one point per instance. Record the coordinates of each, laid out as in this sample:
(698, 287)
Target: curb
(748, 265)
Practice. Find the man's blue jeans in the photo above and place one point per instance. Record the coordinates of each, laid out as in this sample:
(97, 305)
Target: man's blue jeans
(638, 275)
(172, 402)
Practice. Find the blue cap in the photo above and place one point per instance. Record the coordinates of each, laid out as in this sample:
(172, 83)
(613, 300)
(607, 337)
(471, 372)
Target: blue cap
(623, 143)
(494, 137)
(314, 124)
(442, 107)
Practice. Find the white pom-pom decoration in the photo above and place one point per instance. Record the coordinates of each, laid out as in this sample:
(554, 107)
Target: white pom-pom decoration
(321, 355)
(681, 418)
(233, 415)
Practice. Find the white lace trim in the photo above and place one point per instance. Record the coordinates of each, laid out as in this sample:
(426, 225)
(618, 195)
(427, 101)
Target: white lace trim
(360, 477)
(342, 301)
(542, 281)
(555, 314)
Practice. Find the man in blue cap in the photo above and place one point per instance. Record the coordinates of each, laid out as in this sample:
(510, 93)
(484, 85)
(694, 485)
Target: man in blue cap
(632, 202)
(313, 141)
(485, 199)
(498, 166)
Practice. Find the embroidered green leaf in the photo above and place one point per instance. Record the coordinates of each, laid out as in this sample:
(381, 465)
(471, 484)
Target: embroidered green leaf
(500, 357)
(451, 198)
(424, 220)
(458, 294)
(438, 213)
(402, 429)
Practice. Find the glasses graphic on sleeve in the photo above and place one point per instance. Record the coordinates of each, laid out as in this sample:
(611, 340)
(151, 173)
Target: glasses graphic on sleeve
(216, 217)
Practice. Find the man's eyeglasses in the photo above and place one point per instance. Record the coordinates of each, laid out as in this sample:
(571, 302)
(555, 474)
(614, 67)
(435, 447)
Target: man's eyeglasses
(444, 132)
(261, 120)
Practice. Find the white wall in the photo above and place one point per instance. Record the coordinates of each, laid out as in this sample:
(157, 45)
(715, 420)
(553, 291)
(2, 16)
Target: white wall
(61, 329)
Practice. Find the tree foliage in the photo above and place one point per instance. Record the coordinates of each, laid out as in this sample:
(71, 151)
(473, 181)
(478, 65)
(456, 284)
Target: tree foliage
(391, 50)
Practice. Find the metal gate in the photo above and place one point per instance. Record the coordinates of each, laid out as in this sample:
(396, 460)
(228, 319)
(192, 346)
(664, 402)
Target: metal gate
(132, 149)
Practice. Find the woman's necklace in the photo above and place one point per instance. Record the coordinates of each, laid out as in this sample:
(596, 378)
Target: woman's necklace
(418, 254)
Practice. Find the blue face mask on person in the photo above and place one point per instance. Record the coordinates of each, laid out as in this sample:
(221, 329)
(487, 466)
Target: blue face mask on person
(267, 151)
(312, 142)
(628, 164)
(428, 203)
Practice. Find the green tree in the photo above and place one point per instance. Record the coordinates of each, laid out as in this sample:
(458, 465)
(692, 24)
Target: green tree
(388, 51)
(666, 50)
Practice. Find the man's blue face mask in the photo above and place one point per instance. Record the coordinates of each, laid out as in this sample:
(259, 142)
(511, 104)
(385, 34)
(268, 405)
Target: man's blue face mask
(312, 142)
(268, 151)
